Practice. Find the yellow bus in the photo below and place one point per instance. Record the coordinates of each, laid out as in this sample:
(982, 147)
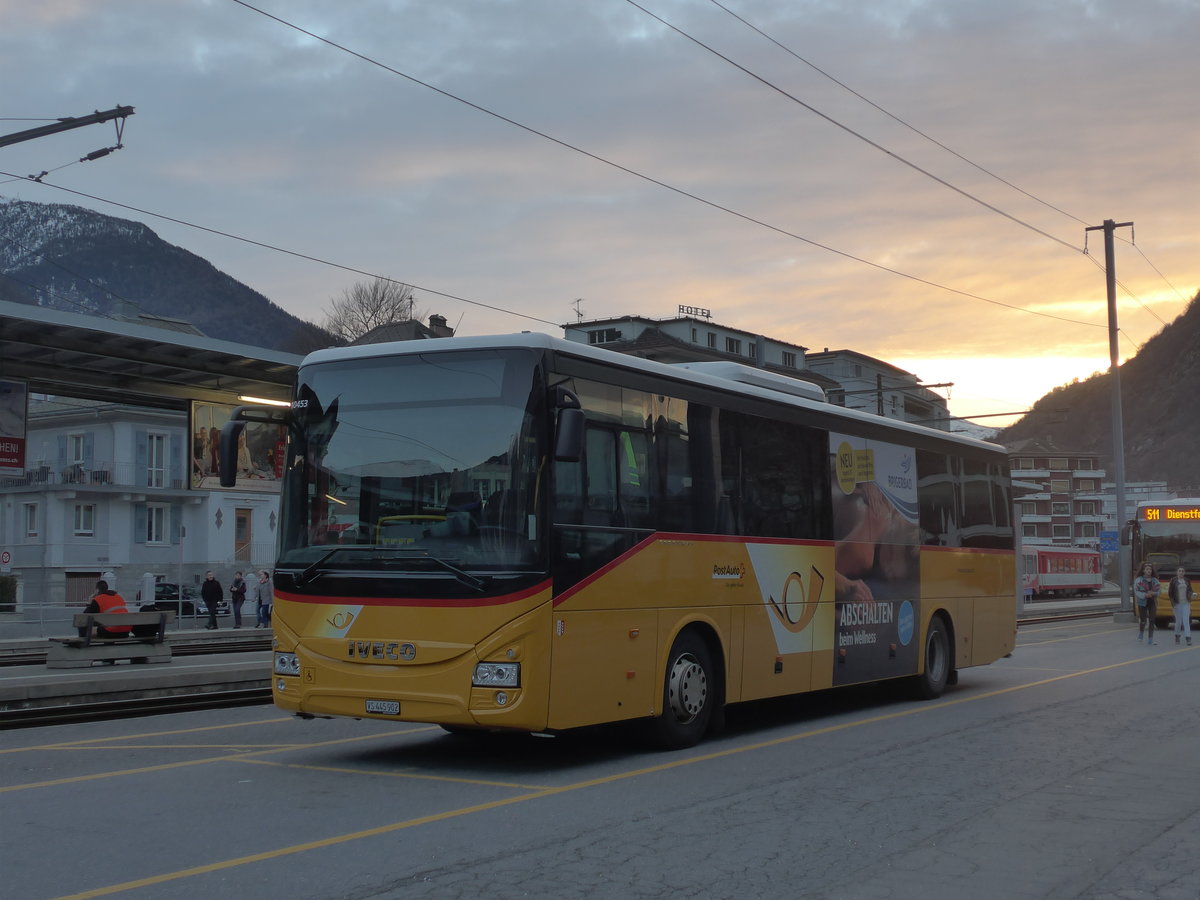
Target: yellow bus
(1166, 534)
(616, 539)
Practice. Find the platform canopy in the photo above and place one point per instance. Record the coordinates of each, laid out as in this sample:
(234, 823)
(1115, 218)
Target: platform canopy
(117, 360)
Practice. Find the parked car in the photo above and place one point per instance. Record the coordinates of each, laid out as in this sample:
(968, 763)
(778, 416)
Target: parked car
(166, 599)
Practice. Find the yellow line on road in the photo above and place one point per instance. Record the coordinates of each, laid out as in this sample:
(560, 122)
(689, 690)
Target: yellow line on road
(569, 788)
(88, 742)
(210, 759)
(419, 776)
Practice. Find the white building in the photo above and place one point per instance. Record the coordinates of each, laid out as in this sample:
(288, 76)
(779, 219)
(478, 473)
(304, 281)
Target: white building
(873, 385)
(848, 378)
(106, 490)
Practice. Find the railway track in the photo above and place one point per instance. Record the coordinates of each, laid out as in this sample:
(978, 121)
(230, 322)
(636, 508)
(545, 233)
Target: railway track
(146, 706)
(37, 657)
(124, 709)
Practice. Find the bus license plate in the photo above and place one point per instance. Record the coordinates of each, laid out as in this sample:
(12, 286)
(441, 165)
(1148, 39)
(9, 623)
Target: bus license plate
(384, 707)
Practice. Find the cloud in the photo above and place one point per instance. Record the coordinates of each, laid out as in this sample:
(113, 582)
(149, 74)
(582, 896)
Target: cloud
(250, 127)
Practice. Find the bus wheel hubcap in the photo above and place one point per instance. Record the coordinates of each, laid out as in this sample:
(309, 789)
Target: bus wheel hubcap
(688, 688)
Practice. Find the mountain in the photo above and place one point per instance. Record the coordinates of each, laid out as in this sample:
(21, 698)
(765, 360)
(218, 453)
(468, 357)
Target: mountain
(1160, 410)
(73, 259)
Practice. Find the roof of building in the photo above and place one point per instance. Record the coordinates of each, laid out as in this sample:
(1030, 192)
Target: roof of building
(77, 355)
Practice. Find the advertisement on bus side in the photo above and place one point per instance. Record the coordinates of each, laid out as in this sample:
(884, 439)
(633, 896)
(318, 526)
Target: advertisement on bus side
(876, 559)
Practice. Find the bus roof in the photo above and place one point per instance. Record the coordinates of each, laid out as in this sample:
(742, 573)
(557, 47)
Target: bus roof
(804, 394)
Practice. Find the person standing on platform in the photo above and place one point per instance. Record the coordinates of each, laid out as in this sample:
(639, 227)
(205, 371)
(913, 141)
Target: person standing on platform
(1180, 592)
(260, 593)
(212, 594)
(237, 596)
(1145, 588)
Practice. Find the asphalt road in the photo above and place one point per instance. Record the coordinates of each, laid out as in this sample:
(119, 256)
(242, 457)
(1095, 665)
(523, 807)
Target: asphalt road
(1067, 771)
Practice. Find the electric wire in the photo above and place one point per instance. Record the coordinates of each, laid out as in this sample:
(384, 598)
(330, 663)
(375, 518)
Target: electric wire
(662, 184)
(846, 128)
(894, 117)
(949, 150)
(295, 253)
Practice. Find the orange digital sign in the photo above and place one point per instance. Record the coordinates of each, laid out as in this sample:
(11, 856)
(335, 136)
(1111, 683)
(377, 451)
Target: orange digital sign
(1169, 513)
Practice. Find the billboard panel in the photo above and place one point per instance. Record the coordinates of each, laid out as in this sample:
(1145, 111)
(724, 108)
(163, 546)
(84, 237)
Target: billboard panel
(260, 451)
(14, 399)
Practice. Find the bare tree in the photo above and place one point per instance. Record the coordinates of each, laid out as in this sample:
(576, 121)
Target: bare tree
(367, 305)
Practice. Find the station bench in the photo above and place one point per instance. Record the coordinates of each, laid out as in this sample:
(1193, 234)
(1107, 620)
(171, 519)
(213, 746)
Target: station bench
(149, 646)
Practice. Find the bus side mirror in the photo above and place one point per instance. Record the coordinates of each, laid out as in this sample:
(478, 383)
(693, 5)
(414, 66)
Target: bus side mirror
(227, 458)
(1126, 535)
(568, 439)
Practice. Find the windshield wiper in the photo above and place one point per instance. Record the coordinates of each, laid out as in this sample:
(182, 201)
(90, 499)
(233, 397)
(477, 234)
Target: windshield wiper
(312, 570)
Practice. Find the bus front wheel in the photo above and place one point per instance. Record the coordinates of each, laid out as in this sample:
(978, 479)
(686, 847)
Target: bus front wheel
(688, 695)
(938, 663)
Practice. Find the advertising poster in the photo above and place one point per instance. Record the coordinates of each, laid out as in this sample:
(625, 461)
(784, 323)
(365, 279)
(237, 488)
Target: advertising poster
(13, 402)
(260, 451)
(876, 558)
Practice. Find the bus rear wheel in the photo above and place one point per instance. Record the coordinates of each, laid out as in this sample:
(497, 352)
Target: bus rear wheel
(688, 695)
(938, 662)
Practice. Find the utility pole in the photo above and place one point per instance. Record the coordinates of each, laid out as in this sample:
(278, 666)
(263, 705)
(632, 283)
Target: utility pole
(66, 124)
(1118, 428)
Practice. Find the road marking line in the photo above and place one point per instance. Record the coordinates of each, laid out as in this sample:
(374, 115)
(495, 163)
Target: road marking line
(569, 788)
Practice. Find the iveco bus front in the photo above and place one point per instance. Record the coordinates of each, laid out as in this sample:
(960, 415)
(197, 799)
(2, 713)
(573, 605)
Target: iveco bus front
(412, 576)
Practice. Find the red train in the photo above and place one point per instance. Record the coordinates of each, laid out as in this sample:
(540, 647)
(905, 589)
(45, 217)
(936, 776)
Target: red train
(1060, 571)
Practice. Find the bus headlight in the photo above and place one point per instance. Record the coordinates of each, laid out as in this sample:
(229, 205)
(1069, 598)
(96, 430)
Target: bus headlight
(494, 674)
(287, 664)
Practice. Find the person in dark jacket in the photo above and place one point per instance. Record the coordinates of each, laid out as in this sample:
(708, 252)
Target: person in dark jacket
(237, 596)
(1181, 594)
(212, 594)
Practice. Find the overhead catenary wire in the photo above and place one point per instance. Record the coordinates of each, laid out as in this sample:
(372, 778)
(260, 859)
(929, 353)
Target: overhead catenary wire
(657, 182)
(295, 253)
(846, 128)
(944, 147)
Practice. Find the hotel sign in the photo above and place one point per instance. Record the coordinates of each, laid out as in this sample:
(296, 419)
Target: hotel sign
(695, 311)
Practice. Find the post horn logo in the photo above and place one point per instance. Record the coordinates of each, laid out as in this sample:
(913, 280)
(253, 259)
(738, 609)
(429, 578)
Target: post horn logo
(798, 606)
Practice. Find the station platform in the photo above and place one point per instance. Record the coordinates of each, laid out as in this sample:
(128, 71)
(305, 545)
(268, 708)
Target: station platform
(224, 661)
(193, 671)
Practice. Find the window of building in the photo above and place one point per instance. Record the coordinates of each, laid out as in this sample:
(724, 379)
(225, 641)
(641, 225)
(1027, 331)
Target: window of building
(157, 520)
(789, 359)
(1059, 464)
(156, 460)
(733, 345)
(1087, 529)
(1060, 485)
(1087, 508)
(1087, 484)
(752, 350)
(604, 336)
(85, 519)
(1029, 531)
(1085, 464)
(1028, 508)
(1060, 509)
(75, 449)
(712, 339)
(31, 520)
(693, 335)
(1061, 531)
(857, 371)
(1024, 462)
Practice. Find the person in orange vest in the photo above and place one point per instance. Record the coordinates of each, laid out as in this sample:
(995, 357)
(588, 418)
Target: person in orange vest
(106, 601)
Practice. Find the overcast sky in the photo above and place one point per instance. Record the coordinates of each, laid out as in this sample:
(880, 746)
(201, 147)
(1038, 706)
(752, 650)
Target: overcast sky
(661, 174)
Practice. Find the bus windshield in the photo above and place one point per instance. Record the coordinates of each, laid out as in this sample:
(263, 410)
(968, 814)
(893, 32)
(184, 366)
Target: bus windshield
(415, 462)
